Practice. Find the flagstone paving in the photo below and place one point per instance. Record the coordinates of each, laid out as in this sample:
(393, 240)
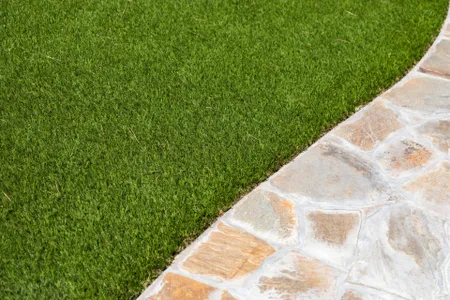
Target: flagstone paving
(362, 214)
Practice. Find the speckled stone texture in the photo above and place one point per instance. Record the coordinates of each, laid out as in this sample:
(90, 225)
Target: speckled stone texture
(363, 214)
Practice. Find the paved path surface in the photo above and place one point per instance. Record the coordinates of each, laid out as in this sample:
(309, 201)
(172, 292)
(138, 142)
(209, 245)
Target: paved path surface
(362, 214)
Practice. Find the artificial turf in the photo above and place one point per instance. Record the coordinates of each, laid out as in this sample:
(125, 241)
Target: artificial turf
(127, 126)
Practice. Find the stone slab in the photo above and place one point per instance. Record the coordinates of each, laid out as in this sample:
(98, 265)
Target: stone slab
(331, 235)
(401, 251)
(175, 287)
(375, 125)
(401, 156)
(431, 191)
(423, 95)
(438, 63)
(267, 214)
(330, 173)
(439, 132)
(228, 253)
(295, 276)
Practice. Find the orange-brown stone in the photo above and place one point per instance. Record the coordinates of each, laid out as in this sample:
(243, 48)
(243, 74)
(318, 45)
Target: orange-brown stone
(227, 296)
(438, 63)
(331, 235)
(228, 253)
(176, 287)
(331, 227)
(375, 124)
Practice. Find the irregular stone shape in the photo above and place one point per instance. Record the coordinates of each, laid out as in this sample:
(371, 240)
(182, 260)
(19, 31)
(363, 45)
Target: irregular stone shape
(400, 251)
(438, 63)
(295, 276)
(267, 214)
(426, 95)
(330, 173)
(432, 190)
(331, 235)
(175, 287)
(376, 123)
(439, 132)
(228, 253)
(402, 155)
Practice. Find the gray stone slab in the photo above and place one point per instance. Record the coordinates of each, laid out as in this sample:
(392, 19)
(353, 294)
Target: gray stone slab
(426, 95)
(330, 173)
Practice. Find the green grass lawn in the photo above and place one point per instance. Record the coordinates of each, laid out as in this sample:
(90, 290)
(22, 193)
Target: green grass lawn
(127, 126)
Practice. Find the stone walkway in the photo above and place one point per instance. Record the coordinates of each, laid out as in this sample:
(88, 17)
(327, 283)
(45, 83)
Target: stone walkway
(362, 214)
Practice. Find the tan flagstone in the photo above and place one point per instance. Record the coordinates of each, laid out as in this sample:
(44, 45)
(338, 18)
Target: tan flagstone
(432, 190)
(332, 227)
(376, 123)
(227, 296)
(296, 276)
(402, 155)
(400, 251)
(331, 235)
(438, 63)
(266, 213)
(439, 132)
(328, 172)
(227, 254)
(426, 95)
(176, 287)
